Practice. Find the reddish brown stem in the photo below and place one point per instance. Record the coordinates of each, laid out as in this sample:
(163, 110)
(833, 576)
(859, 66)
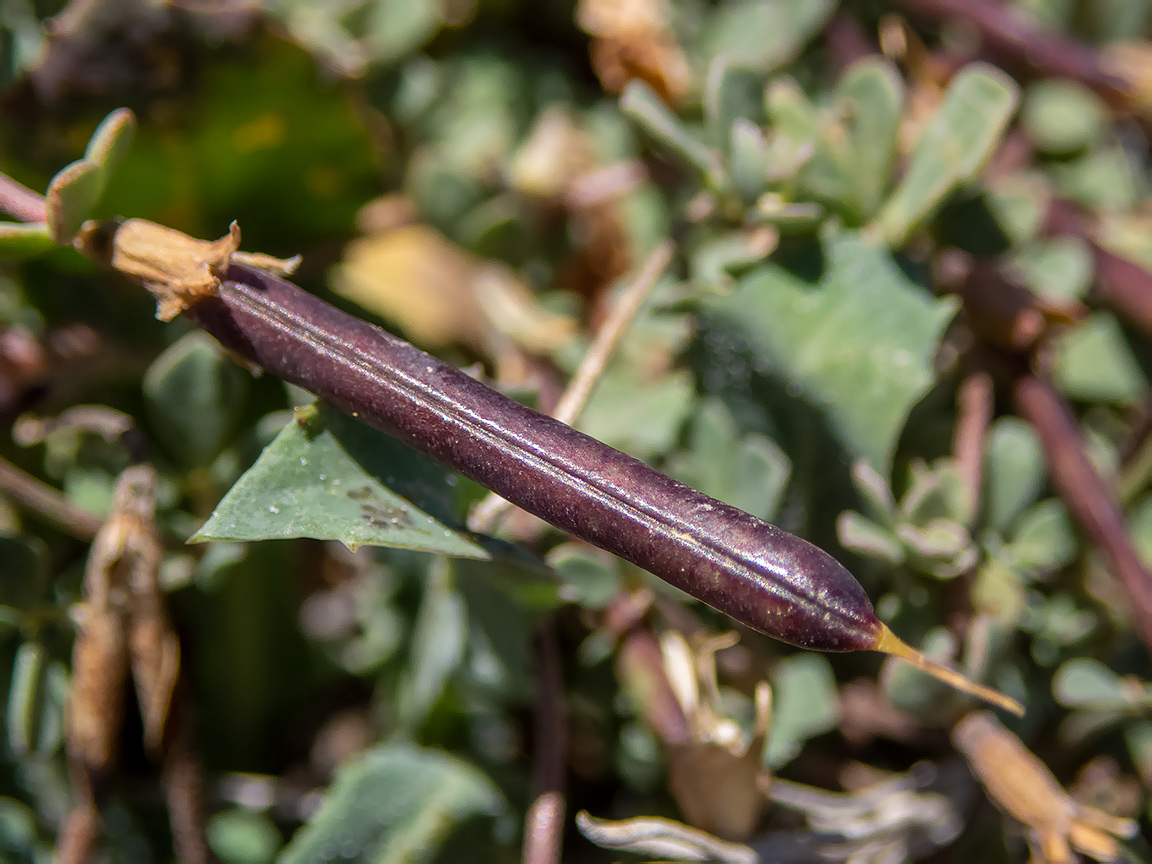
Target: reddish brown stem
(1088, 497)
(640, 668)
(20, 202)
(1121, 284)
(184, 784)
(1003, 313)
(974, 404)
(544, 824)
(846, 40)
(1023, 46)
(49, 503)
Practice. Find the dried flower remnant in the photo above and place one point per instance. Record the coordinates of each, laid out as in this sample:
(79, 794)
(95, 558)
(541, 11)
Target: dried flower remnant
(154, 649)
(897, 817)
(1131, 62)
(716, 774)
(122, 624)
(632, 39)
(1022, 786)
(179, 270)
(552, 167)
(99, 667)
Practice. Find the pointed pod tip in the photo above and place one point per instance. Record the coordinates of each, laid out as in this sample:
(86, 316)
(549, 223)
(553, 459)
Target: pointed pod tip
(888, 642)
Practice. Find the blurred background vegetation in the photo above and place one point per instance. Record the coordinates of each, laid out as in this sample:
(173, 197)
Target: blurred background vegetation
(908, 318)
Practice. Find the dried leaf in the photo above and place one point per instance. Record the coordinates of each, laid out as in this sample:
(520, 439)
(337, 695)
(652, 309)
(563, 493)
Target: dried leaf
(716, 774)
(662, 838)
(634, 40)
(1024, 788)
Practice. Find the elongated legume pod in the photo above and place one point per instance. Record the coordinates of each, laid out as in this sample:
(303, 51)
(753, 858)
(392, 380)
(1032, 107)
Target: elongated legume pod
(759, 575)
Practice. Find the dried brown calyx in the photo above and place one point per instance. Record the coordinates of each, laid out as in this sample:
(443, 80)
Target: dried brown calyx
(177, 269)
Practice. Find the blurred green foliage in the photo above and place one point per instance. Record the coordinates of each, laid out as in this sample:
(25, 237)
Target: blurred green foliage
(801, 361)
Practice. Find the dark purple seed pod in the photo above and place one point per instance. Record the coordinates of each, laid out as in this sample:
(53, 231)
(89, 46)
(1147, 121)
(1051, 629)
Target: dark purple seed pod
(752, 571)
(759, 575)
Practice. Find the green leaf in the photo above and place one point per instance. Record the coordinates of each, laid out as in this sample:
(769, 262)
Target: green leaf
(1061, 268)
(875, 493)
(501, 623)
(329, 477)
(940, 548)
(23, 572)
(1019, 202)
(642, 418)
(747, 160)
(804, 705)
(960, 139)
(731, 93)
(396, 804)
(1083, 682)
(1140, 523)
(24, 697)
(437, 646)
(1061, 116)
(1043, 538)
(71, 195)
(19, 241)
(717, 259)
(396, 28)
(110, 141)
(869, 98)
(591, 576)
(640, 102)
(1013, 471)
(750, 472)
(1094, 362)
(37, 697)
(1138, 737)
(74, 191)
(863, 536)
(1105, 178)
(763, 35)
(194, 394)
(856, 341)
(19, 834)
(800, 139)
(795, 126)
(760, 475)
(935, 491)
(243, 837)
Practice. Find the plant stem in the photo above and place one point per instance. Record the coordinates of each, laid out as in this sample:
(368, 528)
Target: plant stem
(21, 202)
(1088, 497)
(1026, 47)
(41, 498)
(544, 824)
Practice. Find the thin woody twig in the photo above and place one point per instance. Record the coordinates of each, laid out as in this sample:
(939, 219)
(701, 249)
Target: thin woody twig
(1084, 491)
(575, 397)
(42, 499)
(544, 824)
(488, 512)
(21, 202)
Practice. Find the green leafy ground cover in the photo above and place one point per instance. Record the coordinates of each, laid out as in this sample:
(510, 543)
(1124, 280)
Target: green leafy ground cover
(863, 242)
